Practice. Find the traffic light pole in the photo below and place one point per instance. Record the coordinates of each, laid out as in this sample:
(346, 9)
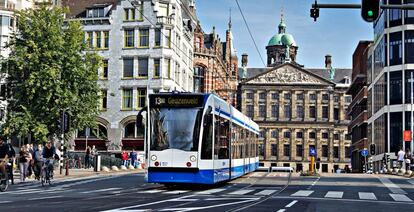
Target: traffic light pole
(358, 6)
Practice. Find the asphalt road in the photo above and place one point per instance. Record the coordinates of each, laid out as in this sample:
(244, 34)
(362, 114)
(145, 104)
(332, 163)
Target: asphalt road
(257, 191)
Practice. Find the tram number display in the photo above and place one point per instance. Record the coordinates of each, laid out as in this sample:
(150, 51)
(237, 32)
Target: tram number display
(176, 101)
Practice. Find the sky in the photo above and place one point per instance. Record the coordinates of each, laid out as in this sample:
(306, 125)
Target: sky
(336, 32)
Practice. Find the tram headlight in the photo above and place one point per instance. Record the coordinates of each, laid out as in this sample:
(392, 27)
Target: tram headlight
(153, 157)
(193, 158)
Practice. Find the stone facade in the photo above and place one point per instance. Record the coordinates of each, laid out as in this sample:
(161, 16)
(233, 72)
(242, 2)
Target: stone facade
(298, 109)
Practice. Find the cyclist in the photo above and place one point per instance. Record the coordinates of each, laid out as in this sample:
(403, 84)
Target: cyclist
(4, 155)
(49, 153)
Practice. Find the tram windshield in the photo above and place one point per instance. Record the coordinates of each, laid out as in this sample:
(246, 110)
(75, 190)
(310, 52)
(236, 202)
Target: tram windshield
(175, 128)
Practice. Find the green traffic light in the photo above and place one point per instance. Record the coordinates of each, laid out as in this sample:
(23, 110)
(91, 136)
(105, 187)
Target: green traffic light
(370, 13)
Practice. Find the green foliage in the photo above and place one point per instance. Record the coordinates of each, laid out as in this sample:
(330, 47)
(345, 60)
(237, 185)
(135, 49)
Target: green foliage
(49, 71)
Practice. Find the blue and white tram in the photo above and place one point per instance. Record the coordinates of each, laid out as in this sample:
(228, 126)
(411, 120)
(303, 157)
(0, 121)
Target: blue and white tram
(198, 139)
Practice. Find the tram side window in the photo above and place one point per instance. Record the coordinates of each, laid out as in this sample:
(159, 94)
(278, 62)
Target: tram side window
(221, 144)
(207, 143)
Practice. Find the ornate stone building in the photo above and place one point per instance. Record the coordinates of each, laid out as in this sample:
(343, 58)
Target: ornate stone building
(215, 64)
(298, 109)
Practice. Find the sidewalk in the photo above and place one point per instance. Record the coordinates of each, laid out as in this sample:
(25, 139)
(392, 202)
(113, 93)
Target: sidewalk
(79, 174)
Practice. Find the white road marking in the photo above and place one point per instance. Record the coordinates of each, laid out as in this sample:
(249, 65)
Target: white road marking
(367, 195)
(391, 186)
(281, 210)
(42, 198)
(241, 191)
(291, 204)
(266, 192)
(302, 193)
(411, 181)
(1, 202)
(176, 192)
(100, 190)
(400, 198)
(151, 191)
(211, 191)
(334, 194)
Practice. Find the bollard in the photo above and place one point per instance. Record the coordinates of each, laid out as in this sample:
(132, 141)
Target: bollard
(67, 167)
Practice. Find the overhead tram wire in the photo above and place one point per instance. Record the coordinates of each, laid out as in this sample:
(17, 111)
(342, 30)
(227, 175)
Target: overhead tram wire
(251, 36)
(165, 36)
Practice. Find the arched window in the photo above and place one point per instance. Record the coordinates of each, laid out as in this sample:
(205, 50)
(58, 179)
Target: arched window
(198, 79)
(100, 132)
(131, 131)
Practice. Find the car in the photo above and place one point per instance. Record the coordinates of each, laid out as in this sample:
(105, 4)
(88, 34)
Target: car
(340, 171)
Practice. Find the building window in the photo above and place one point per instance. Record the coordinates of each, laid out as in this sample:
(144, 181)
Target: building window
(336, 99)
(129, 14)
(299, 135)
(131, 131)
(395, 51)
(262, 134)
(325, 151)
(348, 137)
(347, 152)
(104, 74)
(140, 13)
(157, 69)
(129, 38)
(325, 135)
(275, 111)
(286, 134)
(261, 150)
(98, 39)
(287, 96)
(336, 136)
(325, 97)
(167, 67)
(299, 96)
(89, 39)
(299, 112)
(168, 39)
(128, 68)
(325, 112)
(336, 152)
(141, 97)
(96, 13)
(275, 96)
(157, 37)
(299, 151)
(287, 111)
(250, 96)
(106, 40)
(273, 151)
(198, 79)
(262, 110)
(396, 87)
(312, 97)
(250, 110)
(286, 150)
(104, 99)
(312, 112)
(143, 38)
(275, 134)
(336, 114)
(312, 135)
(262, 96)
(409, 43)
(127, 99)
(143, 67)
(348, 99)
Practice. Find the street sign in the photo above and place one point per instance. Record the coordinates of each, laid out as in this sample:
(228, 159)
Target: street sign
(407, 135)
(87, 132)
(312, 152)
(364, 152)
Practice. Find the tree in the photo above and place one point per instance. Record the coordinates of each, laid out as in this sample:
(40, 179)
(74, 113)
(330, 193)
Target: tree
(49, 72)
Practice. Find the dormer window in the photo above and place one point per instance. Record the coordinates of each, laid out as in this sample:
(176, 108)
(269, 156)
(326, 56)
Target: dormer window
(163, 10)
(96, 12)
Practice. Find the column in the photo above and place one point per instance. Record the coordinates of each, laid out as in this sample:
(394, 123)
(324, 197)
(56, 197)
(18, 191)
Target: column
(256, 103)
(330, 145)
(268, 104)
(331, 107)
(306, 104)
(280, 144)
(293, 105)
(281, 106)
(292, 145)
(305, 145)
(318, 106)
(341, 146)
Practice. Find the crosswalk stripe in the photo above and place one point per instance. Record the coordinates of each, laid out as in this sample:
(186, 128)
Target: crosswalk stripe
(400, 198)
(151, 191)
(411, 181)
(211, 191)
(266, 192)
(241, 191)
(367, 195)
(176, 192)
(100, 190)
(302, 193)
(334, 194)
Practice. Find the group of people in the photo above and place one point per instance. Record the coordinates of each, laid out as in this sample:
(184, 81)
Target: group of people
(130, 158)
(405, 157)
(31, 160)
(90, 154)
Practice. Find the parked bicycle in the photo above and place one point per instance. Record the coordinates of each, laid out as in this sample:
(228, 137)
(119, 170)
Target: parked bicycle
(47, 173)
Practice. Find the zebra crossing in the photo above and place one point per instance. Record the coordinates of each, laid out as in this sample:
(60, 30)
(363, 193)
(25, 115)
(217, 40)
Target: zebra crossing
(361, 195)
(215, 191)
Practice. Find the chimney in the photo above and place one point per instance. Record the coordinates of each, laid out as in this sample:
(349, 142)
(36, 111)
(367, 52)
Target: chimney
(244, 60)
(328, 61)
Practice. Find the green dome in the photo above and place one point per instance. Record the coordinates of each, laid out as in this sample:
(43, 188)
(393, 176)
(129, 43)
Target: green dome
(287, 39)
(275, 40)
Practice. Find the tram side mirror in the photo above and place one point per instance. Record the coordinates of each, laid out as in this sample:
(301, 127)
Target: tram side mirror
(139, 121)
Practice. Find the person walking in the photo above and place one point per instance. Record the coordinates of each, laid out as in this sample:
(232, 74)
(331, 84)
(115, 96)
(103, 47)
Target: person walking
(124, 156)
(29, 148)
(133, 155)
(38, 161)
(87, 157)
(12, 160)
(24, 159)
(407, 159)
(94, 152)
(400, 158)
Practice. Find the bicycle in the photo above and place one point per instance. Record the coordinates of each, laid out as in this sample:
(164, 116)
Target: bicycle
(46, 174)
(4, 180)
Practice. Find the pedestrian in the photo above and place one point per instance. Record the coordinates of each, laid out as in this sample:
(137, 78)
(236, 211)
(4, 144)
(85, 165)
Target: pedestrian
(24, 159)
(87, 157)
(31, 162)
(94, 152)
(12, 162)
(133, 155)
(407, 158)
(400, 158)
(124, 156)
(38, 161)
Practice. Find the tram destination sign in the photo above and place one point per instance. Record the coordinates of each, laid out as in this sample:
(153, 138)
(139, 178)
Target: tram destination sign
(174, 101)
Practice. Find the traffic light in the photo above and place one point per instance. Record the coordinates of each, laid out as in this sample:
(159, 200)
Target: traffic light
(314, 13)
(370, 10)
(66, 122)
(372, 149)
